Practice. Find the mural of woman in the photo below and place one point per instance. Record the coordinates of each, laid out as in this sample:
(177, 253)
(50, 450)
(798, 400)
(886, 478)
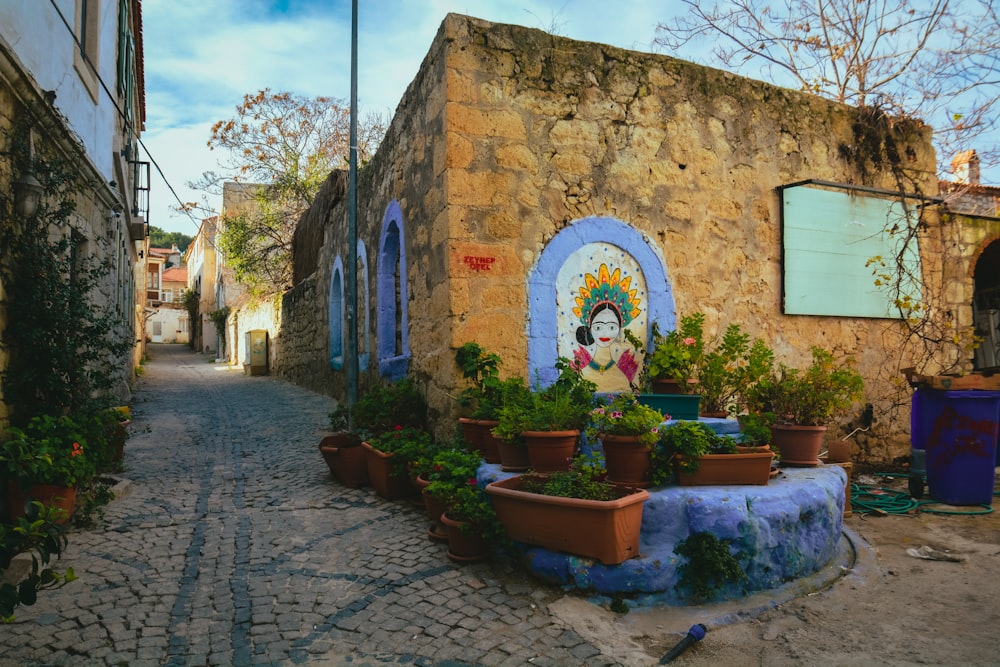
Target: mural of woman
(605, 306)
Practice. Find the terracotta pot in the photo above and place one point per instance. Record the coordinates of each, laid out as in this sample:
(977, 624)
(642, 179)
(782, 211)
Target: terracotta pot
(838, 451)
(606, 530)
(62, 497)
(435, 508)
(798, 445)
(479, 437)
(388, 484)
(346, 459)
(513, 457)
(671, 386)
(464, 547)
(729, 469)
(626, 459)
(549, 451)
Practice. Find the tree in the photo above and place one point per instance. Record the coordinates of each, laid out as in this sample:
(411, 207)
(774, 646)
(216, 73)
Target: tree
(287, 145)
(159, 238)
(937, 60)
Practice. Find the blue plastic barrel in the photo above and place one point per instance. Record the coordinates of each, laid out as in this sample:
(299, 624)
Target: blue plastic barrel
(957, 431)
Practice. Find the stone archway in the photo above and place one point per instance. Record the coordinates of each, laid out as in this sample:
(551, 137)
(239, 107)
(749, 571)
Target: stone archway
(986, 306)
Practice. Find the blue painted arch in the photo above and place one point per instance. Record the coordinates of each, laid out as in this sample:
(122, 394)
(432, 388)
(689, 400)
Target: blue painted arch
(542, 319)
(392, 319)
(337, 314)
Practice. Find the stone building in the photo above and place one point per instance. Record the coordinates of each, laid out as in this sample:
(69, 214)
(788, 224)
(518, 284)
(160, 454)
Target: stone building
(524, 173)
(71, 93)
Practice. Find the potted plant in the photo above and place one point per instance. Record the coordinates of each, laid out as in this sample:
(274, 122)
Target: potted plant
(379, 410)
(801, 402)
(549, 420)
(701, 457)
(668, 372)
(572, 511)
(388, 455)
(627, 430)
(470, 522)
(46, 461)
(482, 400)
(728, 368)
(438, 472)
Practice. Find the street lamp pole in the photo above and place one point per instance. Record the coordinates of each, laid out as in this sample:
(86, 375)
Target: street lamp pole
(352, 228)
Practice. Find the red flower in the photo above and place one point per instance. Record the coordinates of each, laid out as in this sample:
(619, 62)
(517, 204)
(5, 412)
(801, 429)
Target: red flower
(472, 481)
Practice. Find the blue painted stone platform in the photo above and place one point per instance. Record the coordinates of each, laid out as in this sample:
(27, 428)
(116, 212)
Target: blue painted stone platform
(786, 530)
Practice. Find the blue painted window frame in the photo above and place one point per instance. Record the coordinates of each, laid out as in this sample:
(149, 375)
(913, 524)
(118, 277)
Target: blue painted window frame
(337, 314)
(392, 272)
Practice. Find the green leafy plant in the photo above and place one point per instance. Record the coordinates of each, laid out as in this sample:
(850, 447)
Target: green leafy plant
(469, 504)
(756, 429)
(562, 406)
(405, 443)
(39, 533)
(685, 441)
(728, 368)
(810, 396)
(386, 406)
(219, 317)
(49, 450)
(675, 355)
(710, 565)
(623, 414)
(584, 480)
(484, 398)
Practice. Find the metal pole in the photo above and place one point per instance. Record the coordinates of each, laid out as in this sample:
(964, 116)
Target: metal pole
(352, 228)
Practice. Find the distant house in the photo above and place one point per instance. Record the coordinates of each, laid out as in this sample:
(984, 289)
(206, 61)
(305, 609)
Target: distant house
(201, 261)
(168, 322)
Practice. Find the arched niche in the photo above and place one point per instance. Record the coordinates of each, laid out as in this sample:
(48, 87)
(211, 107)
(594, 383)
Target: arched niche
(392, 319)
(549, 300)
(337, 315)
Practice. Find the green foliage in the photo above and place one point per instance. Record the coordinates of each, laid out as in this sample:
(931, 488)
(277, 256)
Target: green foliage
(67, 353)
(219, 317)
(470, 504)
(810, 396)
(756, 429)
(710, 565)
(584, 480)
(49, 450)
(159, 238)
(386, 406)
(406, 444)
(685, 441)
(258, 248)
(90, 503)
(675, 355)
(564, 405)
(623, 414)
(728, 368)
(486, 396)
(39, 533)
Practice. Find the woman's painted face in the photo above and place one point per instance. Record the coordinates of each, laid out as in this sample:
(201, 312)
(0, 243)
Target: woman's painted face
(605, 328)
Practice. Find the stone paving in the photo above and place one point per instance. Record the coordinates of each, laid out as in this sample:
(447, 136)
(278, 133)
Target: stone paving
(233, 545)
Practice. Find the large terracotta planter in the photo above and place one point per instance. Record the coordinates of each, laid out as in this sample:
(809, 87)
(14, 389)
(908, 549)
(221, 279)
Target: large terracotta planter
(62, 497)
(626, 459)
(673, 406)
(513, 456)
(346, 459)
(798, 445)
(549, 451)
(729, 469)
(388, 484)
(606, 530)
(464, 547)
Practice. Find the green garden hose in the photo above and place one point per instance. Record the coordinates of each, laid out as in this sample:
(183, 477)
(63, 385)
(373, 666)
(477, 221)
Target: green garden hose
(868, 499)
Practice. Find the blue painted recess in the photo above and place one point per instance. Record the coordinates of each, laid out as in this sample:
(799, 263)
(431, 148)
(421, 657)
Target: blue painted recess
(784, 531)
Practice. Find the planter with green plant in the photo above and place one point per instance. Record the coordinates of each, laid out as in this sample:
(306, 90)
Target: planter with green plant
(728, 368)
(801, 402)
(389, 455)
(471, 523)
(343, 453)
(549, 420)
(572, 511)
(669, 366)
(701, 457)
(481, 402)
(710, 566)
(627, 430)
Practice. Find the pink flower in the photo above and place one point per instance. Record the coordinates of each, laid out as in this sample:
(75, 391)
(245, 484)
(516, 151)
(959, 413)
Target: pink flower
(472, 481)
(689, 341)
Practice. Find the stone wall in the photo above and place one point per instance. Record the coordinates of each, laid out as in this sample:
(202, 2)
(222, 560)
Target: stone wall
(510, 136)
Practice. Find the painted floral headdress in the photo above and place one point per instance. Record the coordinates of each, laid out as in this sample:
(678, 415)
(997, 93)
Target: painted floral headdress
(610, 288)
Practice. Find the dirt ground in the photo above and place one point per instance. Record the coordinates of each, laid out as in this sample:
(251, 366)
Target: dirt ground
(880, 605)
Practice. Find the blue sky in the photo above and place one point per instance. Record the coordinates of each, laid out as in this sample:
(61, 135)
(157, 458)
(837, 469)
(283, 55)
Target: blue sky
(202, 56)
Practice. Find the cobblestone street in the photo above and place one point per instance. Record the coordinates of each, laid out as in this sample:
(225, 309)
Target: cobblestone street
(233, 545)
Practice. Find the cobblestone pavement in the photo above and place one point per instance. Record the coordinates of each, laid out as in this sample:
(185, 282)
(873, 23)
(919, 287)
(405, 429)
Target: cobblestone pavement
(234, 546)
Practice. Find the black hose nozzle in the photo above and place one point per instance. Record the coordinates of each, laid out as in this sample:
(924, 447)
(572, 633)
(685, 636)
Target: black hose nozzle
(695, 634)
